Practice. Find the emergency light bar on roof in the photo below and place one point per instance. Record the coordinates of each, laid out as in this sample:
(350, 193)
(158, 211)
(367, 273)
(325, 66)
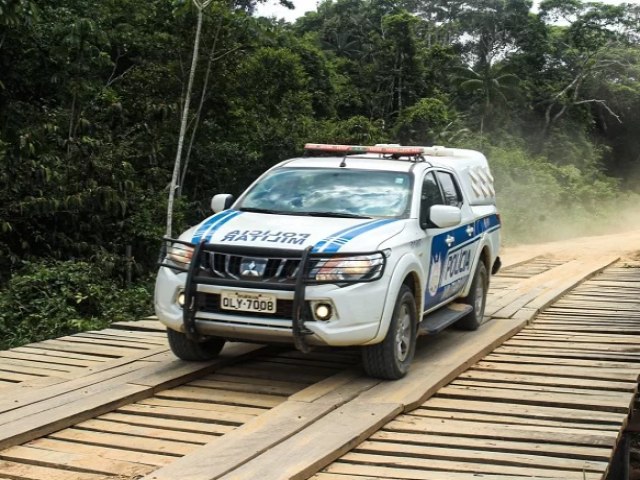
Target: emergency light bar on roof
(383, 150)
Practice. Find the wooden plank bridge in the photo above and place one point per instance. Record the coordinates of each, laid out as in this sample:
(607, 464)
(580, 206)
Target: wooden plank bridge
(543, 390)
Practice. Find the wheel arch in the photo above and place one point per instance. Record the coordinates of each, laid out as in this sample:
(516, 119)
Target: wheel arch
(407, 271)
(412, 280)
(484, 256)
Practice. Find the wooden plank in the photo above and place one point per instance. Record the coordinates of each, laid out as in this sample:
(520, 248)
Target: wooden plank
(264, 432)
(325, 440)
(31, 385)
(350, 471)
(19, 471)
(537, 461)
(270, 372)
(203, 416)
(127, 442)
(570, 356)
(293, 383)
(89, 342)
(498, 445)
(539, 335)
(246, 387)
(222, 396)
(125, 336)
(159, 433)
(39, 369)
(34, 373)
(97, 350)
(503, 431)
(550, 390)
(214, 407)
(553, 380)
(180, 425)
(44, 359)
(414, 468)
(34, 348)
(73, 460)
(510, 409)
(577, 371)
(593, 347)
(153, 325)
(15, 377)
(498, 417)
(102, 451)
(609, 404)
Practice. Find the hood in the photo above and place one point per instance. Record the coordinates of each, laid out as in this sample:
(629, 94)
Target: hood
(292, 232)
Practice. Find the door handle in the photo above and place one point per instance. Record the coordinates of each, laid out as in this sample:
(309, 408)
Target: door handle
(470, 230)
(449, 240)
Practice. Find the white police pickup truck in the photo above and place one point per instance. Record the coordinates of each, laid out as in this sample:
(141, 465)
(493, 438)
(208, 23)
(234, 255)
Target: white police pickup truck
(348, 245)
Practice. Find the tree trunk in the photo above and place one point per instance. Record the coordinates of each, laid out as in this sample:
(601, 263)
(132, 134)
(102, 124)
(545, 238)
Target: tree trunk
(185, 116)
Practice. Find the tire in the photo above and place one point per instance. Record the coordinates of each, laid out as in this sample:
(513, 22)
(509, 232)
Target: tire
(477, 298)
(186, 349)
(391, 358)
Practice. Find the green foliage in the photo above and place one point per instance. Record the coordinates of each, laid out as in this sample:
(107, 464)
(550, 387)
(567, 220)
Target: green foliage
(429, 122)
(357, 130)
(49, 299)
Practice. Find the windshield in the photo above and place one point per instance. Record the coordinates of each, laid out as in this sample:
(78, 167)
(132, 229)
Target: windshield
(330, 192)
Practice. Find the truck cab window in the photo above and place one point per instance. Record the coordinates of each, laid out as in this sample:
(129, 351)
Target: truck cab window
(450, 189)
(431, 194)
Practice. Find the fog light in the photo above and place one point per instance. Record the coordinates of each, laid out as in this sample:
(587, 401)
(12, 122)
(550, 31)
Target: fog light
(323, 311)
(181, 299)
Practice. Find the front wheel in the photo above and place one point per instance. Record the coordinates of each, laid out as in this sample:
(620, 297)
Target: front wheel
(391, 358)
(186, 349)
(477, 298)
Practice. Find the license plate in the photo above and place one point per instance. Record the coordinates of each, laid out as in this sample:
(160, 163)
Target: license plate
(248, 302)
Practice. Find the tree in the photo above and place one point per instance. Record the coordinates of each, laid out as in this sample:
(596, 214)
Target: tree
(490, 86)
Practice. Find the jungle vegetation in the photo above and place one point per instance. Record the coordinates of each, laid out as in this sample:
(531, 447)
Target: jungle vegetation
(92, 93)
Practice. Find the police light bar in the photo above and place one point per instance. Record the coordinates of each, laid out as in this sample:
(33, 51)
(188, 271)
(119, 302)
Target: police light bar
(383, 150)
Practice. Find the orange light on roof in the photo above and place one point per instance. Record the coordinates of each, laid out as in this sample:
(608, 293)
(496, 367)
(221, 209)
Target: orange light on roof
(407, 151)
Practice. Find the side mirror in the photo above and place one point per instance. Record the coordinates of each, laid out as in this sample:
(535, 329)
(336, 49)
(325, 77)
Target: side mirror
(221, 201)
(444, 216)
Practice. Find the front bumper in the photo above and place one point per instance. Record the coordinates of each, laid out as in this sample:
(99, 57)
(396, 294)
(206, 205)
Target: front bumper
(357, 310)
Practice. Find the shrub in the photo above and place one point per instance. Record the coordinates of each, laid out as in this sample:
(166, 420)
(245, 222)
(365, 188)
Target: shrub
(49, 299)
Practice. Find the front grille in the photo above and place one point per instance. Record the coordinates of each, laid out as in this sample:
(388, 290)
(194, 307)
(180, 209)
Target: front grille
(253, 269)
(210, 303)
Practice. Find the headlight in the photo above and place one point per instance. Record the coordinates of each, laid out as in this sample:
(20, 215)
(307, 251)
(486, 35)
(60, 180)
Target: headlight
(349, 269)
(180, 254)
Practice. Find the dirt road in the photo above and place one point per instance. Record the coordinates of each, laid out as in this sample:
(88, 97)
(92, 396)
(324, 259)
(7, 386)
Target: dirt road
(624, 244)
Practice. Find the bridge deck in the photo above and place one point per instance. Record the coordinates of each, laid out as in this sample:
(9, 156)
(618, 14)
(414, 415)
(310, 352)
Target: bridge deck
(549, 402)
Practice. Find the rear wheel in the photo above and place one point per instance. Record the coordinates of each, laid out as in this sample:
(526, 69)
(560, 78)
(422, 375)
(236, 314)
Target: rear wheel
(187, 349)
(477, 298)
(391, 358)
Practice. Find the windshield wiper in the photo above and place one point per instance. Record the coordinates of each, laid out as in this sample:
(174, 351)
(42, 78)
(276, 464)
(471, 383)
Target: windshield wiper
(333, 214)
(262, 210)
